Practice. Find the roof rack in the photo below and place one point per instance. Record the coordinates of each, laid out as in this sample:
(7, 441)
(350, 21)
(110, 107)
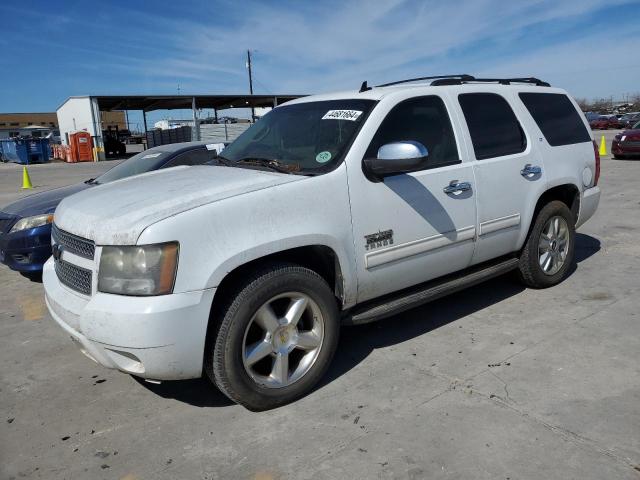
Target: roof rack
(439, 80)
(460, 77)
(501, 81)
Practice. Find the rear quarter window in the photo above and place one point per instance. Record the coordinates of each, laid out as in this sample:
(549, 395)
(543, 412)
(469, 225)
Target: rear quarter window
(556, 117)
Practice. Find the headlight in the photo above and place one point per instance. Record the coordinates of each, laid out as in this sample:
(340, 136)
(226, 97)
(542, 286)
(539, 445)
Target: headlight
(138, 270)
(32, 222)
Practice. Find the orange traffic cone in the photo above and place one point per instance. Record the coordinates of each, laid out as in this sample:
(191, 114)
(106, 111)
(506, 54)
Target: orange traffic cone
(26, 179)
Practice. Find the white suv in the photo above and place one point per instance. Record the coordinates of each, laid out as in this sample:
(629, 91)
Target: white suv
(333, 209)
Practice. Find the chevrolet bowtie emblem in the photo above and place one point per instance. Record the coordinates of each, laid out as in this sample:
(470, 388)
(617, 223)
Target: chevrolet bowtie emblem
(57, 251)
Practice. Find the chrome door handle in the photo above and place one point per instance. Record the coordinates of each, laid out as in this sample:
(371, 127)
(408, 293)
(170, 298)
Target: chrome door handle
(530, 170)
(456, 188)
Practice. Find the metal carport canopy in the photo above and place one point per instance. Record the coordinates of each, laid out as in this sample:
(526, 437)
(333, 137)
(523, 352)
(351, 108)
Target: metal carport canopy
(149, 103)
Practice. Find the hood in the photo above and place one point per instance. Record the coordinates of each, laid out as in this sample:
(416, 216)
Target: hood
(43, 202)
(116, 213)
(631, 134)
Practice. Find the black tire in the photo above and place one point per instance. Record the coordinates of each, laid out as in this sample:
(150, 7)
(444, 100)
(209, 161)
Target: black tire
(531, 272)
(618, 157)
(224, 353)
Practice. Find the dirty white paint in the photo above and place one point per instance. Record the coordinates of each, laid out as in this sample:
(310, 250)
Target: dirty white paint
(116, 213)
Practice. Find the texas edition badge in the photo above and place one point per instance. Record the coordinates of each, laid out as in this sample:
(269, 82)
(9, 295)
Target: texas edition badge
(377, 240)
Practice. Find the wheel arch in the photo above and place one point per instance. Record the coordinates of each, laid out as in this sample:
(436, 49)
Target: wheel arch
(320, 257)
(568, 193)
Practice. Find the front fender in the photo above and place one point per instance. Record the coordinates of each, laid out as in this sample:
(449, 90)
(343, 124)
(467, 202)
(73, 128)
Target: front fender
(218, 237)
(273, 247)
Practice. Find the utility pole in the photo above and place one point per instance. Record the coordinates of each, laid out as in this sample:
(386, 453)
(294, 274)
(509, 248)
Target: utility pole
(253, 112)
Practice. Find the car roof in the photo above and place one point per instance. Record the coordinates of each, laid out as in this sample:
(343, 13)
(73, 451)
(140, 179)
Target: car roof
(378, 93)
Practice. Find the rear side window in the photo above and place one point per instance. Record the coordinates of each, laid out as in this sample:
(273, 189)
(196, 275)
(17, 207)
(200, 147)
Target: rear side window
(494, 128)
(557, 118)
(420, 119)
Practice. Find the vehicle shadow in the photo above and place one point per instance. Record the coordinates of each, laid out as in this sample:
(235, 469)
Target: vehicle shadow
(199, 392)
(356, 343)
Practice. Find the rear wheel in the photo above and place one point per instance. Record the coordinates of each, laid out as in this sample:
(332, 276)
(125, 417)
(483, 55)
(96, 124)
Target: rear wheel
(276, 337)
(548, 252)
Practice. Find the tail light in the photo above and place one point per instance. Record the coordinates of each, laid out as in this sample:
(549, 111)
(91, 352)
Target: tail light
(597, 155)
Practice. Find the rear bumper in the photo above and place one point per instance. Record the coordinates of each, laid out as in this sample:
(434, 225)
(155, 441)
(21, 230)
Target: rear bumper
(26, 250)
(588, 204)
(160, 338)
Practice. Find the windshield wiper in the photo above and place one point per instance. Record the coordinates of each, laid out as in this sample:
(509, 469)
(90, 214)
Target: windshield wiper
(223, 160)
(271, 164)
(91, 181)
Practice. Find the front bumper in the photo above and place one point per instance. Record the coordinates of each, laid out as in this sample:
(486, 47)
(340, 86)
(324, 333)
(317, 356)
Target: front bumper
(588, 204)
(160, 338)
(26, 250)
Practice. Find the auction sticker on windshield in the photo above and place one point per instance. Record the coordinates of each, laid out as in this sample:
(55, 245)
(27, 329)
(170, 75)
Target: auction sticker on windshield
(351, 115)
(323, 157)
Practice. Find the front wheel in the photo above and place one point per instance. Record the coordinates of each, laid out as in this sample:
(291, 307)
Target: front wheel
(275, 339)
(548, 252)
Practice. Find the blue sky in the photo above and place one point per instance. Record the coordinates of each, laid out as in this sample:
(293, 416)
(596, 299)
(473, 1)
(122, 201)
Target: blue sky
(52, 50)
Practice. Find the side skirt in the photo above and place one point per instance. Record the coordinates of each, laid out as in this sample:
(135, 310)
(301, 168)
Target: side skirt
(397, 302)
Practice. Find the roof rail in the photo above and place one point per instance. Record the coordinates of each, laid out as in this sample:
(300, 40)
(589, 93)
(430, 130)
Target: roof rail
(501, 81)
(462, 76)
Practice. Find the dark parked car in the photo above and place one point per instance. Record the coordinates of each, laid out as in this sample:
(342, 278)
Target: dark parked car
(25, 225)
(628, 120)
(627, 143)
(604, 122)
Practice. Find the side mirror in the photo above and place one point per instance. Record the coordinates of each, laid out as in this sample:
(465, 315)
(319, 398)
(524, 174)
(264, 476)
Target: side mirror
(397, 157)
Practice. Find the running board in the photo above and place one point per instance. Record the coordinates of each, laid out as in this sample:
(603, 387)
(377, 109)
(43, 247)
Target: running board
(400, 301)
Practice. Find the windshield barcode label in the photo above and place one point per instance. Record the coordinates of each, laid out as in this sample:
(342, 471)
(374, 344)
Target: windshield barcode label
(351, 115)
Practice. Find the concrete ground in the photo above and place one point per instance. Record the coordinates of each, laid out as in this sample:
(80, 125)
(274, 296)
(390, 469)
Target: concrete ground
(497, 382)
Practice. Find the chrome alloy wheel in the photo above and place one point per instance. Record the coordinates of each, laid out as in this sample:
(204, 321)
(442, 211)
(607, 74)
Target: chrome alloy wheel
(553, 245)
(283, 339)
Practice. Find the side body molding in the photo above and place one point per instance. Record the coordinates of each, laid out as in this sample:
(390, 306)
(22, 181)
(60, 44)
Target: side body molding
(416, 247)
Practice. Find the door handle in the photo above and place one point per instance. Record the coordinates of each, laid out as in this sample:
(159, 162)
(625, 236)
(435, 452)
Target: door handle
(530, 170)
(456, 188)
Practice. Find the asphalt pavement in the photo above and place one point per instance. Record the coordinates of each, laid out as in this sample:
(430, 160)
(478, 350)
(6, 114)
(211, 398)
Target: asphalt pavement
(496, 382)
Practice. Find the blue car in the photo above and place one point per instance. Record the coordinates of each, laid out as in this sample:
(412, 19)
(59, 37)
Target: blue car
(25, 225)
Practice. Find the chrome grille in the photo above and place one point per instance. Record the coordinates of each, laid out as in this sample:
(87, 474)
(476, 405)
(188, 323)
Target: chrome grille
(74, 277)
(74, 244)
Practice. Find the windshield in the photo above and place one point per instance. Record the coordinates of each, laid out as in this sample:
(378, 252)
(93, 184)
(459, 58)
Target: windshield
(140, 163)
(308, 137)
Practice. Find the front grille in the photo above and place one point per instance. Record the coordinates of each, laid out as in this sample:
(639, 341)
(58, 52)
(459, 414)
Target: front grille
(628, 143)
(74, 277)
(72, 243)
(6, 222)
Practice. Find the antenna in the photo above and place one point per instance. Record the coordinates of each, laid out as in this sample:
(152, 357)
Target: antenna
(364, 87)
